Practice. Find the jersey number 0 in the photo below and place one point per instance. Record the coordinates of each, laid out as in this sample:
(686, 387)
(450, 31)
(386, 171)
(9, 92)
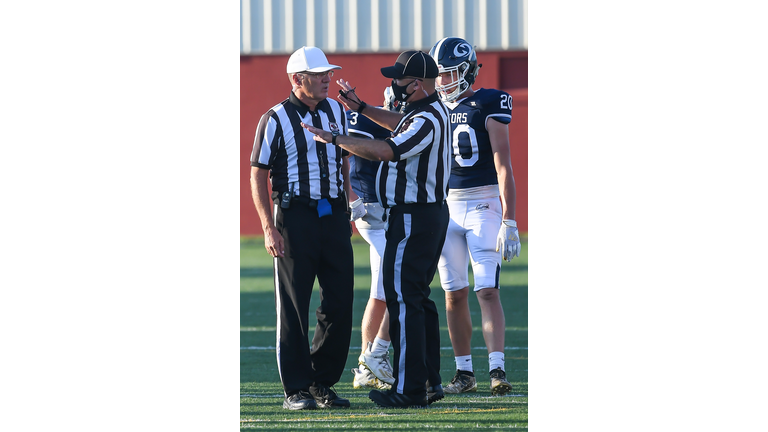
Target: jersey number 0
(465, 143)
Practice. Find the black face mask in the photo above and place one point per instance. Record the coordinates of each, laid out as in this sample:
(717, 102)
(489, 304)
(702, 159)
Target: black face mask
(399, 92)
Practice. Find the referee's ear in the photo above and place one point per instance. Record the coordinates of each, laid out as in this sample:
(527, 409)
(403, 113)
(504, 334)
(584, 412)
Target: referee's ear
(295, 79)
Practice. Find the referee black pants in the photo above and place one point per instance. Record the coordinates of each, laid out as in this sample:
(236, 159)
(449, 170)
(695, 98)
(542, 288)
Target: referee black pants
(314, 247)
(415, 239)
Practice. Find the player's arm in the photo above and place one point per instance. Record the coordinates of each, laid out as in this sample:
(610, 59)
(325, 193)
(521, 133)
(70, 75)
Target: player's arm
(508, 240)
(345, 174)
(352, 195)
(499, 136)
(273, 240)
(382, 117)
(355, 205)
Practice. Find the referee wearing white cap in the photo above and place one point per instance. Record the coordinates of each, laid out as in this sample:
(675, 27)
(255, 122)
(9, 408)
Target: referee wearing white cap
(414, 184)
(307, 231)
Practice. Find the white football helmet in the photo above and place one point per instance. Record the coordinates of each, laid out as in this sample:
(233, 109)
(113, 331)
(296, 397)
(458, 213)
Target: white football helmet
(390, 103)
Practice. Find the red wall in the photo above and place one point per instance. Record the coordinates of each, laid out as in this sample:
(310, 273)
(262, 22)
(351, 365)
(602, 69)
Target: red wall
(264, 83)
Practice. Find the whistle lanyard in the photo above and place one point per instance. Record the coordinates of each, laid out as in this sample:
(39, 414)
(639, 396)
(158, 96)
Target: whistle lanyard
(323, 156)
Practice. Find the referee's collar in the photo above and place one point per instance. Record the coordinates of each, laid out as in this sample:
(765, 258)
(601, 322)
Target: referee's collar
(420, 103)
(303, 108)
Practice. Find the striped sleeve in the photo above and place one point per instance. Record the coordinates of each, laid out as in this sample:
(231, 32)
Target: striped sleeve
(266, 142)
(415, 135)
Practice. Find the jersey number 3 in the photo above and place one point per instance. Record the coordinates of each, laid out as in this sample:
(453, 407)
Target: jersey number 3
(465, 144)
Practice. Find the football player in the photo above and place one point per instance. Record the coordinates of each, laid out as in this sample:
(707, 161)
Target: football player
(481, 200)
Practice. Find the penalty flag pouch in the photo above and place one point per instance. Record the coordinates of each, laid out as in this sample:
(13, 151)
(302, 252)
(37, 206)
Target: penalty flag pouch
(324, 208)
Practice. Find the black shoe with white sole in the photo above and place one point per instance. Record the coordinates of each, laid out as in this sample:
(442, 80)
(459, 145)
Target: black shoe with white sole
(391, 399)
(435, 393)
(327, 398)
(300, 401)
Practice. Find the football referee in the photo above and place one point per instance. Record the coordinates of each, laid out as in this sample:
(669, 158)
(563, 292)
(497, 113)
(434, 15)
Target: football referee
(308, 232)
(413, 183)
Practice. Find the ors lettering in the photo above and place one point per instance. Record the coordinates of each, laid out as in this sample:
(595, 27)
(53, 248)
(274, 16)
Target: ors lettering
(458, 117)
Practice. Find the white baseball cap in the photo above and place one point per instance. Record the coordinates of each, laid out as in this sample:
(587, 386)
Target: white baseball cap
(309, 59)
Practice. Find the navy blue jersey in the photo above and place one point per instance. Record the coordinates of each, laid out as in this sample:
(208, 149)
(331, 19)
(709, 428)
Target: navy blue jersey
(362, 172)
(472, 164)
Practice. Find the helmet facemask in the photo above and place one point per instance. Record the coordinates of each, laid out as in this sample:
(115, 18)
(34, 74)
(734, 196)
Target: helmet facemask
(451, 92)
(390, 103)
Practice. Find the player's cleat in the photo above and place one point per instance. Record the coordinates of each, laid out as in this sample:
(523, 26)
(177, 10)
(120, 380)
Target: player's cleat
(299, 401)
(364, 378)
(462, 382)
(327, 398)
(391, 399)
(378, 365)
(499, 384)
(434, 394)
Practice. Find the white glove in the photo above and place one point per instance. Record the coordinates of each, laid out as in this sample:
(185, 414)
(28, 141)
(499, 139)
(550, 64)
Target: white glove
(356, 209)
(508, 241)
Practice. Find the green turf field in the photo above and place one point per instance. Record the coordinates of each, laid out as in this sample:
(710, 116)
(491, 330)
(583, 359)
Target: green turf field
(261, 394)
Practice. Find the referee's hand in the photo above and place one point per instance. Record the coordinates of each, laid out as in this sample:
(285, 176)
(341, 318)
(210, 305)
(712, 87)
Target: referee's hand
(347, 96)
(320, 135)
(273, 242)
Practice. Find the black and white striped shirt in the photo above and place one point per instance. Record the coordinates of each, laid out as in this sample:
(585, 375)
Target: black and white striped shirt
(421, 166)
(294, 158)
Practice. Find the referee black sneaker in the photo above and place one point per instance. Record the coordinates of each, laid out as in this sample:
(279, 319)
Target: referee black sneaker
(434, 393)
(327, 398)
(299, 401)
(392, 399)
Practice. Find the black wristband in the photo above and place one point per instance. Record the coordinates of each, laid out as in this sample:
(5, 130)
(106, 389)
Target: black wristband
(360, 108)
(333, 141)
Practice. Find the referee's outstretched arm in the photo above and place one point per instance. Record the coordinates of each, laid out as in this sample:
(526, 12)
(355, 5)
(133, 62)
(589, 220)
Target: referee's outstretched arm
(375, 150)
(385, 118)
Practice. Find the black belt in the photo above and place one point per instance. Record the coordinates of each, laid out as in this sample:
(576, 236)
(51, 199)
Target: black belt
(312, 203)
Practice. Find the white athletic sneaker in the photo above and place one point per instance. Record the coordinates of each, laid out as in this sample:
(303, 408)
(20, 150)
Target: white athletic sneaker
(378, 365)
(364, 378)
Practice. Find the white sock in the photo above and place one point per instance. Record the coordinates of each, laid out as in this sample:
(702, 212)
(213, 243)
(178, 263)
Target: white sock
(496, 360)
(464, 363)
(380, 346)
